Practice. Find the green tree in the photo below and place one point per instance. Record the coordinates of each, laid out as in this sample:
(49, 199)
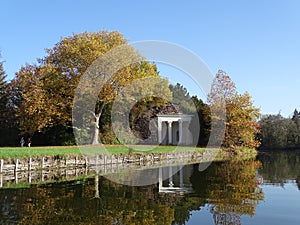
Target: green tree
(3, 96)
(203, 112)
(297, 122)
(278, 132)
(8, 132)
(182, 98)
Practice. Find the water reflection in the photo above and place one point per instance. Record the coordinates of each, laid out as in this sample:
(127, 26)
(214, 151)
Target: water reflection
(229, 188)
(280, 167)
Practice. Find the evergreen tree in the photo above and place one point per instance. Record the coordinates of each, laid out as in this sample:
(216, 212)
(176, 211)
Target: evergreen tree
(3, 96)
(297, 122)
(8, 133)
(204, 120)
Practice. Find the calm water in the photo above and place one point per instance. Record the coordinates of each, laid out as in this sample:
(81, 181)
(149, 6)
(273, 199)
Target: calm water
(265, 191)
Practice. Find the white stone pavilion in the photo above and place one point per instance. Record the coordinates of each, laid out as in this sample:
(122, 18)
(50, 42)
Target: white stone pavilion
(173, 129)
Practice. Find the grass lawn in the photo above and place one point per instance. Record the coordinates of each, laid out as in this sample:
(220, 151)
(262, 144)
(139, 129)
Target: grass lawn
(18, 152)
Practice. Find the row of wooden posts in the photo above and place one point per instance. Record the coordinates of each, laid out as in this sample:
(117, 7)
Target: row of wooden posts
(49, 169)
(46, 168)
(56, 162)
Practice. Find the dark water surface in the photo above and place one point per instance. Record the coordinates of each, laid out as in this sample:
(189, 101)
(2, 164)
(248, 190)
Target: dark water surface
(263, 191)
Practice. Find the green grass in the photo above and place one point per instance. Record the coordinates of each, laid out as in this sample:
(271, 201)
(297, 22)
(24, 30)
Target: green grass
(18, 152)
(8, 153)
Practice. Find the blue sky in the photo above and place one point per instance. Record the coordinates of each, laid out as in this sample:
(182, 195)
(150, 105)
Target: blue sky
(256, 42)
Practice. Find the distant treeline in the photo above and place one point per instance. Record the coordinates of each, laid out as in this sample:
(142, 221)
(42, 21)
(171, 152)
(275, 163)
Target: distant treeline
(278, 132)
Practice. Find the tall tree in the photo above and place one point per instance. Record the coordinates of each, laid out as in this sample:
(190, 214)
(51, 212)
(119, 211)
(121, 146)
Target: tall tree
(47, 89)
(241, 115)
(3, 96)
(203, 112)
(182, 98)
(8, 130)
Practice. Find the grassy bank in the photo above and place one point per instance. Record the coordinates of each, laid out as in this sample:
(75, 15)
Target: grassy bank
(21, 153)
(18, 152)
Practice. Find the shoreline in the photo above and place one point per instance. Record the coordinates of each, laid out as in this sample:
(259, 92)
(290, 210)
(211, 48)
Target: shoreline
(52, 168)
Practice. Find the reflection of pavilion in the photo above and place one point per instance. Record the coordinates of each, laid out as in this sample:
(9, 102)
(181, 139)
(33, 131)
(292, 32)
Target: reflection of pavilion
(178, 183)
(173, 129)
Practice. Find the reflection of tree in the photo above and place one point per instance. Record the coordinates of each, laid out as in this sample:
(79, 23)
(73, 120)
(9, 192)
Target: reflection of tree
(231, 188)
(75, 203)
(298, 182)
(280, 166)
(184, 207)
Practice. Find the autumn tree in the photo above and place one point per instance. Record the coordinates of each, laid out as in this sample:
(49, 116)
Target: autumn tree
(48, 87)
(241, 115)
(132, 110)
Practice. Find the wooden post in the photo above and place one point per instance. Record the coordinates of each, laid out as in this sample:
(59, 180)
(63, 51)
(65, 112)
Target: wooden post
(16, 165)
(97, 160)
(29, 176)
(105, 159)
(29, 164)
(16, 170)
(86, 165)
(1, 165)
(43, 161)
(42, 175)
(141, 160)
(105, 164)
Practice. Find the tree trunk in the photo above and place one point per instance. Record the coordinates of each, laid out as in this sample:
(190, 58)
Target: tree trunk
(97, 115)
(96, 129)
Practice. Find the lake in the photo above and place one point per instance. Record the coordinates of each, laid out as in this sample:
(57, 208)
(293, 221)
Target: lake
(262, 191)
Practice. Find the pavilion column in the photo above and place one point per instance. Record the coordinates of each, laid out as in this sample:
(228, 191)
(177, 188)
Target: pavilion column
(170, 132)
(180, 131)
(159, 131)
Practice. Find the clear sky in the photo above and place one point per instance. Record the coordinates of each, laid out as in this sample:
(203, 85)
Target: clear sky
(256, 42)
